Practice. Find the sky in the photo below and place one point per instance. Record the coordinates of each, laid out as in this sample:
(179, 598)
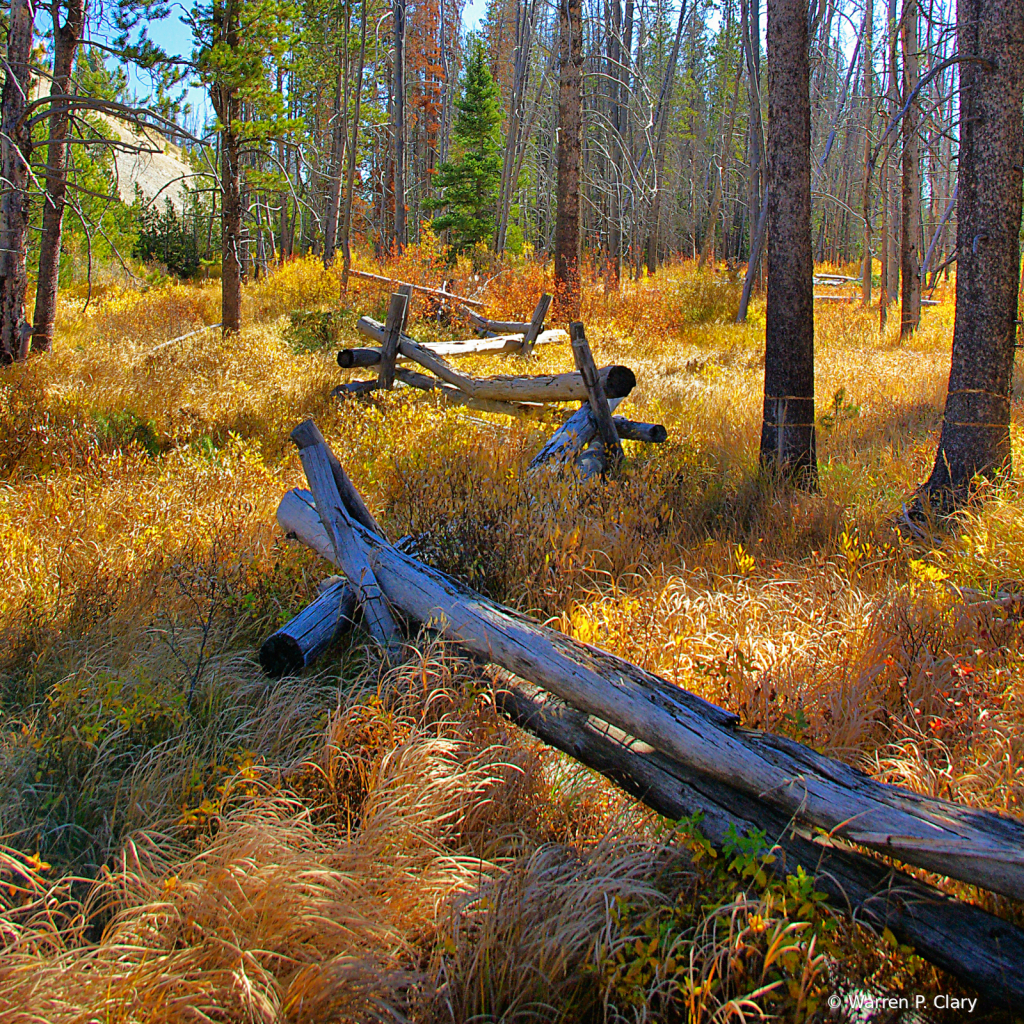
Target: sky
(176, 39)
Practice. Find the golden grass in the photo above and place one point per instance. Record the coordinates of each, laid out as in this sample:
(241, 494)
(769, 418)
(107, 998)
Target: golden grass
(303, 849)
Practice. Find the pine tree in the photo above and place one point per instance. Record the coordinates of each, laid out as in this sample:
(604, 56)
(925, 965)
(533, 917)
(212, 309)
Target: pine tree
(468, 185)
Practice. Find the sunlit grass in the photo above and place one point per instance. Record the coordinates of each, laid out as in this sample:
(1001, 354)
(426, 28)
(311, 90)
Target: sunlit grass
(306, 849)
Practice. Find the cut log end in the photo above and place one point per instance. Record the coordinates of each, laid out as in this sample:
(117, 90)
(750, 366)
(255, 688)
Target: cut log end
(281, 655)
(619, 382)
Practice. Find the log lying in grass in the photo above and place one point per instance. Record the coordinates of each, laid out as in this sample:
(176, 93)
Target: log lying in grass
(974, 846)
(437, 292)
(617, 381)
(501, 345)
(965, 940)
(349, 554)
(311, 632)
(571, 437)
(454, 396)
(349, 357)
(497, 326)
(629, 430)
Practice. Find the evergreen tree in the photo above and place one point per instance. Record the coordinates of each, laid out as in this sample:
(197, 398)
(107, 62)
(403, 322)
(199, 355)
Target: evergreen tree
(468, 185)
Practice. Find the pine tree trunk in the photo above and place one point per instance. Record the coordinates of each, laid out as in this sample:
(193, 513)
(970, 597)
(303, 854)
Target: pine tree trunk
(346, 223)
(788, 436)
(339, 137)
(910, 233)
(231, 233)
(399, 125)
(65, 45)
(869, 99)
(15, 151)
(570, 97)
(975, 435)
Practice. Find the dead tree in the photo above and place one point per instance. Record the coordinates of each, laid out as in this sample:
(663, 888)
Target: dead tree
(570, 100)
(975, 435)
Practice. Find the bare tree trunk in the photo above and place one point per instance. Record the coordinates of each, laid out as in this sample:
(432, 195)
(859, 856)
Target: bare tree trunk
(787, 437)
(399, 126)
(339, 137)
(910, 233)
(869, 99)
(15, 152)
(65, 44)
(231, 229)
(975, 435)
(570, 99)
(346, 225)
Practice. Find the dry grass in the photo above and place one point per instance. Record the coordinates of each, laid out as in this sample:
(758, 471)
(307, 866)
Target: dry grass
(226, 848)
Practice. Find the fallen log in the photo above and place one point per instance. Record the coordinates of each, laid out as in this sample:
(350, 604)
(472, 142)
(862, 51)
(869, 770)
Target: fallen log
(571, 437)
(454, 396)
(300, 642)
(439, 292)
(349, 357)
(979, 948)
(978, 847)
(349, 554)
(497, 326)
(629, 430)
(616, 381)
(502, 345)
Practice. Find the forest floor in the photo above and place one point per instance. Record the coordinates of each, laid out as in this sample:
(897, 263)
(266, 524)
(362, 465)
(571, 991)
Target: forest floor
(188, 840)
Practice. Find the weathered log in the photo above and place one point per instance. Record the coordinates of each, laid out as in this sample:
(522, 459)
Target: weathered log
(979, 948)
(978, 847)
(392, 332)
(536, 324)
(481, 323)
(300, 642)
(439, 292)
(501, 345)
(348, 553)
(454, 396)
(349, 357)
(355, 387)
(571, 437)
(629, 430)
(307, 434)
(597, 394)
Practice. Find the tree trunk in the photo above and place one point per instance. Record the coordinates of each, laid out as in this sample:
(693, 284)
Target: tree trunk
(910, 233)
(787, 437)
(346, 224)
(570, 98)
(15, 152)
(65, 44)
(399, 127)
(339, 137)
(869, 99)
(975, 435)
(231, 229)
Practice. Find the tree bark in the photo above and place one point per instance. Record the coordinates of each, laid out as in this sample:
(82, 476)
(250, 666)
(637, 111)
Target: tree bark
(788, 444)
(398, 10)
(975, 435)
(910, 232)
(865, 199)
(570, 130)
(15, 153)
(65, 45)
(346, 222)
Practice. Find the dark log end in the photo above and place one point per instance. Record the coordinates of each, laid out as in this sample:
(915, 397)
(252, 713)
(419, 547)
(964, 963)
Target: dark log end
(345, 359)
(280, 655)
(307, 434)
(619, 382)
(659, 434)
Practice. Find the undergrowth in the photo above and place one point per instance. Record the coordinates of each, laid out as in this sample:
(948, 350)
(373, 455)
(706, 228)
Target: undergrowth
(186, 839)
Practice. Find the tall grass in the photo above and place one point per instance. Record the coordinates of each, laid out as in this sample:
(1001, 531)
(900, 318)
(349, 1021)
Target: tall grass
(351, 844)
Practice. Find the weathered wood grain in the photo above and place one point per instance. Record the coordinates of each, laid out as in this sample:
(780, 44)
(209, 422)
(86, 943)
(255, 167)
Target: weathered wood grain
(975, 846)
(501, 345)
(393, 327)
(302, 640)
(597, 395)
(979, 948)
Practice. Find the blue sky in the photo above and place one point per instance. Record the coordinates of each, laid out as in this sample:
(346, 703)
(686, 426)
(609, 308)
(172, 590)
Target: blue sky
(176, 38)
